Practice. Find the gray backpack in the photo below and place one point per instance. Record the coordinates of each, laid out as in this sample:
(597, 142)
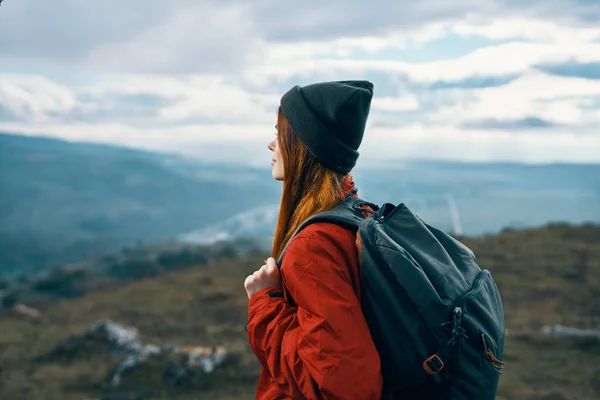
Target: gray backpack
(435, 317)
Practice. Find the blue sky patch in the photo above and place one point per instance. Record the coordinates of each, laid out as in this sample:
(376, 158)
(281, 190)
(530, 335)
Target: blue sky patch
(580, 70)
(516, 124)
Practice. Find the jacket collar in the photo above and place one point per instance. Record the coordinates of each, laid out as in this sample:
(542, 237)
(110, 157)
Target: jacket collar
(348, 186)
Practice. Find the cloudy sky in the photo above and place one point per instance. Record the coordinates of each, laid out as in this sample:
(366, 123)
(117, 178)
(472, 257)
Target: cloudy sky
(515, 80)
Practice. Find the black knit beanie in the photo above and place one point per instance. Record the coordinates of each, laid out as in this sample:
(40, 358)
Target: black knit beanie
(330, 118)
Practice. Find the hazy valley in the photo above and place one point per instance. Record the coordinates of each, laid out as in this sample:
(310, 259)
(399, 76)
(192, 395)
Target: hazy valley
(61, 202)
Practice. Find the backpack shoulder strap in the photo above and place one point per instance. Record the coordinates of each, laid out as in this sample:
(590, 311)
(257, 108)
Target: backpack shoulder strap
(346, 214)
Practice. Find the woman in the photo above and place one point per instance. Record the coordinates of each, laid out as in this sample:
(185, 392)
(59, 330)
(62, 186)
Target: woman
(305, 323)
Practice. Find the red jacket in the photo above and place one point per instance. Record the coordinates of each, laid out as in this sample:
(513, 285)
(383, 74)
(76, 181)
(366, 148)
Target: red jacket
(315, 345)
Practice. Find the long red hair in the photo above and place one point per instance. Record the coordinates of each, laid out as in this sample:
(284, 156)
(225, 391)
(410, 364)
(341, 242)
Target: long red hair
(308, 186)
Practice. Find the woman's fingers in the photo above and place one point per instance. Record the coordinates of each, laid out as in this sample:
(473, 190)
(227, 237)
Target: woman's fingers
(267, 276)
(271, 262)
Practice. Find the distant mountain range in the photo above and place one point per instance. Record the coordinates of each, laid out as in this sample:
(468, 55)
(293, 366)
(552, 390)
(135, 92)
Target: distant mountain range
(61, 202)
(463, 198)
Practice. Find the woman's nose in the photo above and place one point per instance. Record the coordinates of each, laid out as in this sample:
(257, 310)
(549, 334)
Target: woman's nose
(270, 146)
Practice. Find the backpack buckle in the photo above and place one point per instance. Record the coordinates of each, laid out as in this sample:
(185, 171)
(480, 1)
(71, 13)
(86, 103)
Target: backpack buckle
(433, 365)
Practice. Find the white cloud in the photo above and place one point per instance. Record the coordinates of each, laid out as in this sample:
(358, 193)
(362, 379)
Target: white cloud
(248, 143)
(419, 141)
(198, 38)
(405, 103)
(230, 112)
(503, 59)
(34, 98)
(191, 97)
(346, 45)
(552, 98)
(530, 29)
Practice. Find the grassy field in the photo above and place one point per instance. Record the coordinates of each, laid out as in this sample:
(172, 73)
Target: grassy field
(546, 276)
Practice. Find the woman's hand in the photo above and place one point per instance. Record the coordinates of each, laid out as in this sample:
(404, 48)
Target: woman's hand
(266, 277)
